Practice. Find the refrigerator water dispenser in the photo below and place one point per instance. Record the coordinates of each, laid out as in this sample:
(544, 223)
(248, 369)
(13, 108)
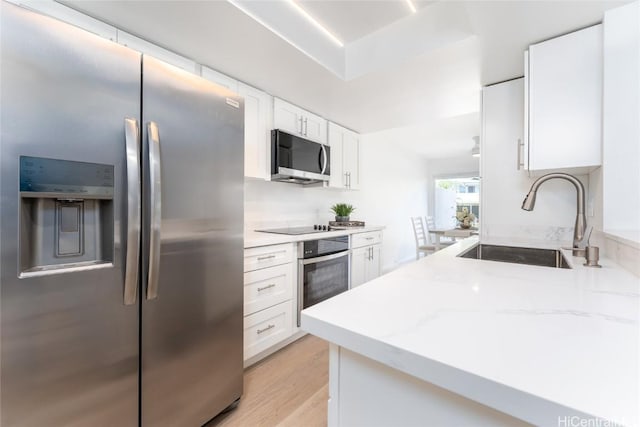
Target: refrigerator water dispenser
(66, 215)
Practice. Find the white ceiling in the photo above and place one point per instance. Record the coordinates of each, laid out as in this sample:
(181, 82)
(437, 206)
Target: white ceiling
(353, 19)
(431, 89)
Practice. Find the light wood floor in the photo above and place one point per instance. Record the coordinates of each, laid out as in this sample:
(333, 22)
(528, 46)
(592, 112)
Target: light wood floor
(287, 389)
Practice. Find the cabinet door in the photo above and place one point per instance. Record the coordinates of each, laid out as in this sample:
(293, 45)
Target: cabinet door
(338, 176)
(287, 117)
(565, 101)
(268, 256)
(267, 287)
(501, 153)
(315, 127)
(359, 262)
(373, 266)
(267, 328)
(257, 133)
(621, 145)
(351, 153)
(220, 79)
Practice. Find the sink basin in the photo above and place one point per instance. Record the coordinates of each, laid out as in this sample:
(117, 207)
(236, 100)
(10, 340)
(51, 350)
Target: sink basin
(530, 256)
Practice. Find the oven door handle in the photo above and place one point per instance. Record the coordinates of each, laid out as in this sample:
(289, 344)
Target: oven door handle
(324, 258)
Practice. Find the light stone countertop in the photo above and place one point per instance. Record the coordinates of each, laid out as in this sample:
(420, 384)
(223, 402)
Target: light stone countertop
(526, 340)
(256, 238)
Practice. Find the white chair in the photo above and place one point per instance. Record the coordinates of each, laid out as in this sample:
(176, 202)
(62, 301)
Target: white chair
(423, 244)
(443, 242)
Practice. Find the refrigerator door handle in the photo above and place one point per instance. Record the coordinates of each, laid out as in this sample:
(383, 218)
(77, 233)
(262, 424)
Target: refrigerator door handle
(155, 194)
(132, 260)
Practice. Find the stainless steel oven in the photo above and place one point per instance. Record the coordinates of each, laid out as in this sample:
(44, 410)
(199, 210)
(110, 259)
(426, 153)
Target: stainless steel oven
(323, 270)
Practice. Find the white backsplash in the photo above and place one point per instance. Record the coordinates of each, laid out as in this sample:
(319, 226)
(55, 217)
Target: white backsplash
(279, 204)
(548, 233)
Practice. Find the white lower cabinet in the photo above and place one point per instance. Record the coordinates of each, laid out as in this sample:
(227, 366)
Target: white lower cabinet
(365, 257)
(267, 287)
(267, 328)
(269, 302)
(268, 256)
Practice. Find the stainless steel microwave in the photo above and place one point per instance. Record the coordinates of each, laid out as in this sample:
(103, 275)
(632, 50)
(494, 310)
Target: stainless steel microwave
(295, 159)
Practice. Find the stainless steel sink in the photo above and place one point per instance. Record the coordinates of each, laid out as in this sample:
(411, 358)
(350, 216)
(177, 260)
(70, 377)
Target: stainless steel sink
(530, 256)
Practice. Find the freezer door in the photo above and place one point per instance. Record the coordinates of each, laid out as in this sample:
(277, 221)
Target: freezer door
(193, 247)
(69, 350)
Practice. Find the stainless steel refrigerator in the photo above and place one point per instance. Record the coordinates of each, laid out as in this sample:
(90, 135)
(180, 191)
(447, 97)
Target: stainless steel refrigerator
(121, 224)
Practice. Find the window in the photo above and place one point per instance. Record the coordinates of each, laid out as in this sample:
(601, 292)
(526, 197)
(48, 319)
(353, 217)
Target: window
(454, 194)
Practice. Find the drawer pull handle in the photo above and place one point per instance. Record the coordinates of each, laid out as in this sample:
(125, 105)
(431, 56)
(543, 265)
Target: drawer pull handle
(264, 288)
(265, 329)
(369, 238)
(262, 258)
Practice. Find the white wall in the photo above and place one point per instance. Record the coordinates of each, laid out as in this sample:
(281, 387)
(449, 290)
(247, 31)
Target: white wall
(394, 188)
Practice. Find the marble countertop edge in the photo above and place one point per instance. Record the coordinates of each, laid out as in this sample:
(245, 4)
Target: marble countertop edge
(491, 393)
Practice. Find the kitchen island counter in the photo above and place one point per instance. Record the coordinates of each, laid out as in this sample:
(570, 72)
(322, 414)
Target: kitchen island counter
(484, 339)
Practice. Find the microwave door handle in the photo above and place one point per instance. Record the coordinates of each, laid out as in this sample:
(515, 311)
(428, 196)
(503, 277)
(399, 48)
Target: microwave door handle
(324, 159)
(132, 142)
(155, 194)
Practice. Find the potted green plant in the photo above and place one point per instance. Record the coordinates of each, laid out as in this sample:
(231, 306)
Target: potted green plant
(342, 211)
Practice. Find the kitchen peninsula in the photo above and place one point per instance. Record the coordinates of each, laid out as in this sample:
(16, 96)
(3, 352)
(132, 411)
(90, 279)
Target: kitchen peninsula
(454, 341)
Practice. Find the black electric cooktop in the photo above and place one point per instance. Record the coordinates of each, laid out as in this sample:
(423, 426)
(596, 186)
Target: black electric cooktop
(298, 230)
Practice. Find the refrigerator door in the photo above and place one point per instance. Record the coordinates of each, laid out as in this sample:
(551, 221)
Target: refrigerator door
(69, 343)
(193, 247)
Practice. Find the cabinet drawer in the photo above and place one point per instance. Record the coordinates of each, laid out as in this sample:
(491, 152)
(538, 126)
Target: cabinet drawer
(267, 256)
(365, 239)
(267, 328)
(267, 287)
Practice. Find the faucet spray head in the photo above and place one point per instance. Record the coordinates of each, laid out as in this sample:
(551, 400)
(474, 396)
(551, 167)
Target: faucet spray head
(529, 201)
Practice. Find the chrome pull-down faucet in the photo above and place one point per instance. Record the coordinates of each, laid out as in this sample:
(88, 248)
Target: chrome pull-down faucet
(581, 220)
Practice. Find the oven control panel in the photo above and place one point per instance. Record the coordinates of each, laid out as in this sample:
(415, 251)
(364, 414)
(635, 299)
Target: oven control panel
(321, 247)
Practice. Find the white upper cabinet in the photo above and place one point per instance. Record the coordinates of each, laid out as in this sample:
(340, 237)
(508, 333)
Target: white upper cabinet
(502, 131)
(351, 158)
(299, 122)
(563, 101)
(220, 79)
(258, 111)
(315, 127)
(621, 145)
(344, 157)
